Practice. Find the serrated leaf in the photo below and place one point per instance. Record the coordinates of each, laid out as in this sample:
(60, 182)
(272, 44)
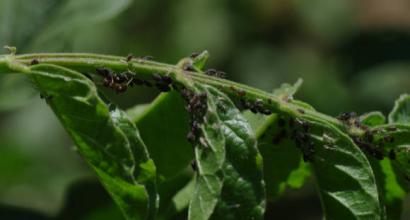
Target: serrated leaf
(283, 166)
(210, 160)
(230, 168)
(346, 182)
(163, 127)
(107, 140)
(401, 110)
(372, 119)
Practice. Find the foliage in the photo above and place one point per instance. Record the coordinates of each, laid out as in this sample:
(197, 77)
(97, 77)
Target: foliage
(239, 159)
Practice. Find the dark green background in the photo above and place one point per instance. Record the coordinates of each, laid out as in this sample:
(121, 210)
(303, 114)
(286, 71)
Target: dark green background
(353, 56)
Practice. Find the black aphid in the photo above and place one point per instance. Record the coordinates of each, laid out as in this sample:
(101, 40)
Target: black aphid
(346, 116)
(129, 57)
(195, 55)
(34, 62)
(301, 111)
(194, 165)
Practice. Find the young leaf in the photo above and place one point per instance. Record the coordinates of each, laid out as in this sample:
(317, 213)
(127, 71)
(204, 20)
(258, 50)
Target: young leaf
(401, 111)
(373, 119)
(229, 183)
(106, 139)
(163, 127)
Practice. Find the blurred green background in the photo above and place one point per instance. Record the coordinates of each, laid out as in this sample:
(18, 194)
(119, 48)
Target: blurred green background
(354, 55)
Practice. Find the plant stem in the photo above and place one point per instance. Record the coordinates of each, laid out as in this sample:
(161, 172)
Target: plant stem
(87, 63)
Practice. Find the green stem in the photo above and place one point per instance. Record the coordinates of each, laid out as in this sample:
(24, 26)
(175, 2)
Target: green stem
(87, 63)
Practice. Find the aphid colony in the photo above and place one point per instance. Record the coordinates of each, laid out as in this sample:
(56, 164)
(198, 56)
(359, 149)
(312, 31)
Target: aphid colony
(298, 131)
(197, 108)
(120, 82)
(366, 142)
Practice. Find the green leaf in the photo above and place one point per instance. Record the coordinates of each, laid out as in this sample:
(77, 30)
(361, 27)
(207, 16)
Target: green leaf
(346, 182)
(283, 166)
(392, 193)
(199, 61)
(107, 140)
(401, 111)
(229, 183)
(243, 191)
(210, 160)
(372, 119)
(163, 127)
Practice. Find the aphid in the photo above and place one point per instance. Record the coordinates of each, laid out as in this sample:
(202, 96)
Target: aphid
(368, 136)
(301, 111)
(157, 77)
(129, 57)
(267, 112)
(279, 137)
(34, 62)
(203, 142)
(221, 74)
(245, 104)
(195, 55)
(211, 72)
(392, 154)
(104, 72)
(388, 138)
(391, 128)
(241, 93)
(167, 79)
(148, 57)
(346, 116)
(120, 88)
(137, 81)
(120, 78)
(194, 165)
(162, 87)
(191, 137)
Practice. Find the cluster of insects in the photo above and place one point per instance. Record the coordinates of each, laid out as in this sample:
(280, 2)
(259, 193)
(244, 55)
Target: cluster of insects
(366, 142)
(300, 134)
(196, 107)
(120, 82)
(215, 73)
(256, 106)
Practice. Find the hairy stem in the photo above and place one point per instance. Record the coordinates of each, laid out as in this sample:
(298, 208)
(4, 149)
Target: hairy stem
(87, 63)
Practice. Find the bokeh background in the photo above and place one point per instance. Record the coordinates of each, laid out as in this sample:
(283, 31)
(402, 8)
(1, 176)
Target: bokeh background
(354, 55)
